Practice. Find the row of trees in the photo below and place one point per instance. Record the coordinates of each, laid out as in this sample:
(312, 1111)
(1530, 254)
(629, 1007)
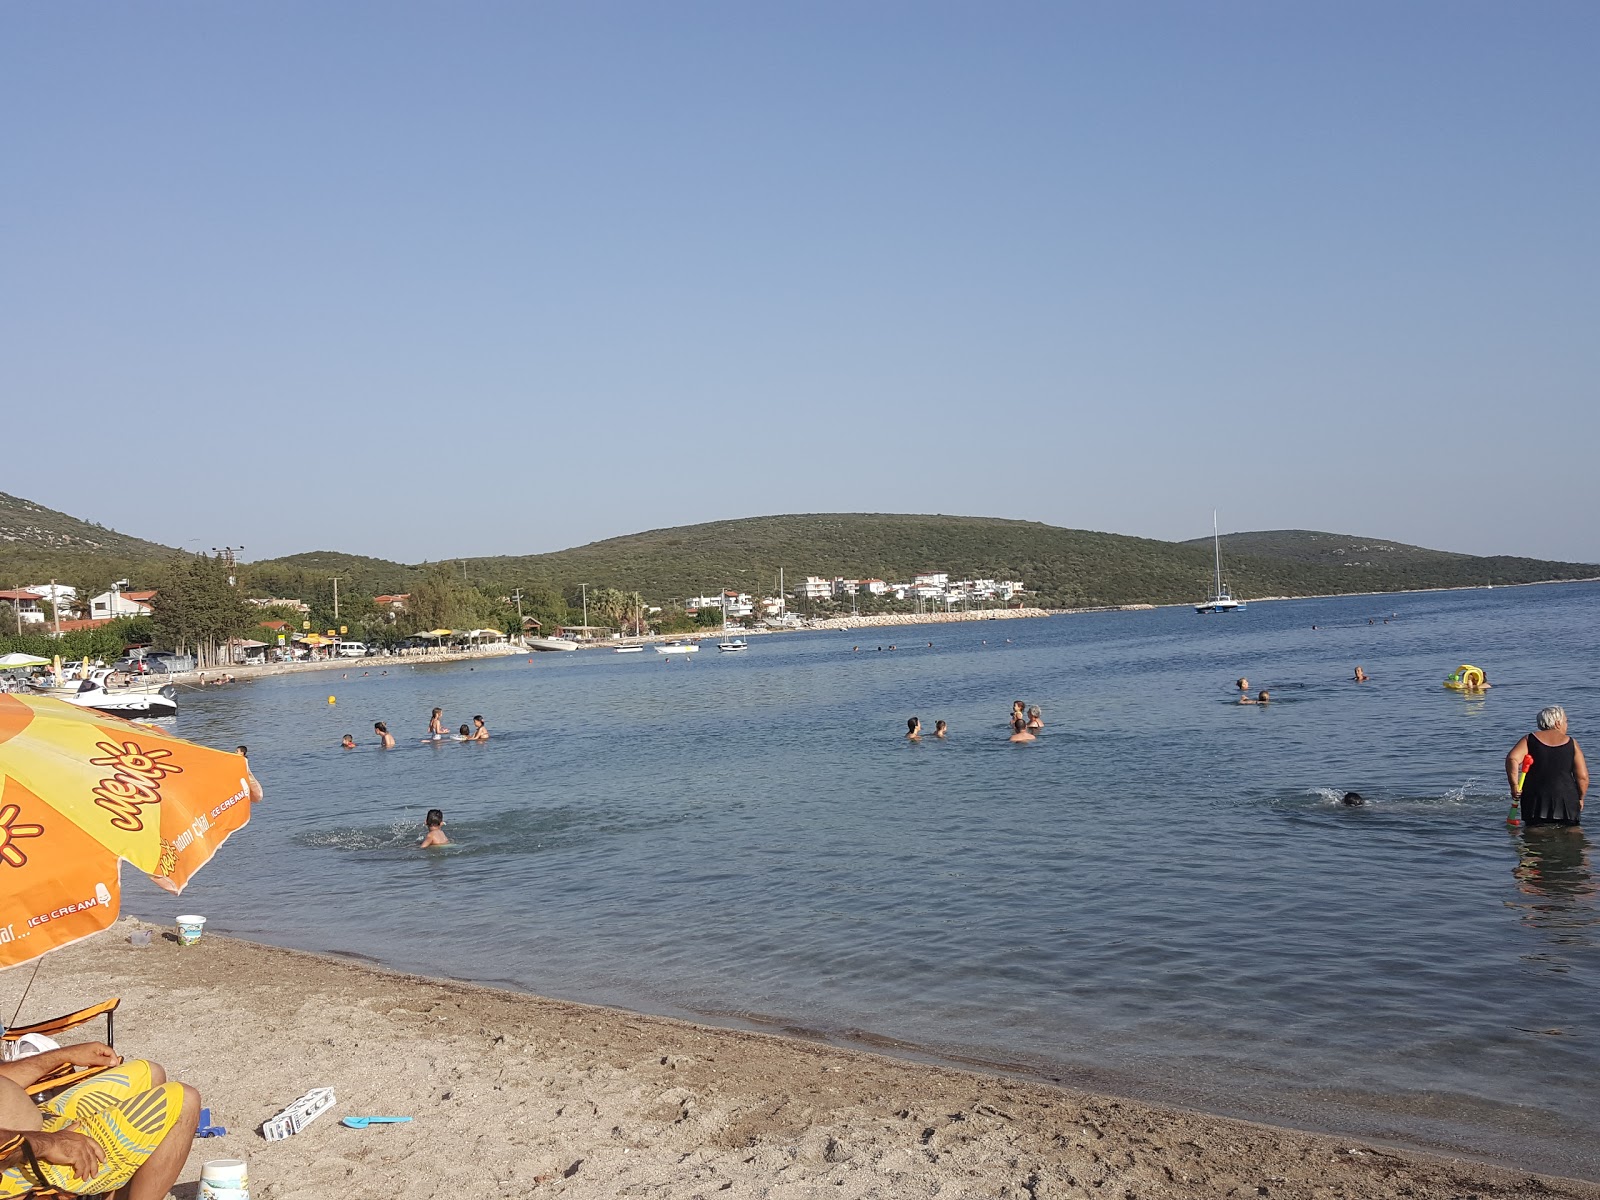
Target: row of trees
(198, 610)
(105, 642)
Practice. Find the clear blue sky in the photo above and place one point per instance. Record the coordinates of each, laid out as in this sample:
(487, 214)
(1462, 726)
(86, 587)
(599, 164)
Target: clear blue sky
(423, 280)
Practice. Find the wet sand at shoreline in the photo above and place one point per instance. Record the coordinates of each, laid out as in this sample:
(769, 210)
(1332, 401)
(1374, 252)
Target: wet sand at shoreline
(515, 1095)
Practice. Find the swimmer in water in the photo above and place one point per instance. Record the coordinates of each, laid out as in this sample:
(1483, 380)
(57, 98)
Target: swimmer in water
(480, 733)
(435, 834)
(1243, 685)
(436, 724)
(940, 729)
(1359, 677)
(251, 783)
(349, 742)
(1262, 698)
(1035, 721)
(913, 730)
(1353, 800)
(1018, 709)
(385, 738)
(464, 734)
(1019, 731)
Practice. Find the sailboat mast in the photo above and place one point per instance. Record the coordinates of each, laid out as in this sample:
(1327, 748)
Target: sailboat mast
(1216, 546)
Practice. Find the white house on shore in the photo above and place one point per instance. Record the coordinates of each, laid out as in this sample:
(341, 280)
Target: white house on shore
(814, 587)
(121, 604)
(25, 603)
(59, 594)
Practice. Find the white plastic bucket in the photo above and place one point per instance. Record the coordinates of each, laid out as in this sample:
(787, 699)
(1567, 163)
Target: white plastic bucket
(224, 1179)
(189, 930)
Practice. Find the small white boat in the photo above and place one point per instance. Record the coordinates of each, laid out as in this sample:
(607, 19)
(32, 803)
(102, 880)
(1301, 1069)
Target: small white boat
(736, 644)
(1221, 600)
(544, 643)
(630, 650)
(124, 702)
(678, 648)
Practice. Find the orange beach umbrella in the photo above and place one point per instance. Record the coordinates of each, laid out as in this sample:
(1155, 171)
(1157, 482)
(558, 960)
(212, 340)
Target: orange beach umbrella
(80, 793)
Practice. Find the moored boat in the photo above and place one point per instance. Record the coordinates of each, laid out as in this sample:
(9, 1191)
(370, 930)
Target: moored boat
(1221, 599)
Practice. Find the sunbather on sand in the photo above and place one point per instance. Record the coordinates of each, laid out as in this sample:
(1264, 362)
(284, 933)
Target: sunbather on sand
(126, 1129)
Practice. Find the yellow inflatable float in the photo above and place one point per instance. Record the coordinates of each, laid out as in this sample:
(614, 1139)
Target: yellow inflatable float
(1468, 679)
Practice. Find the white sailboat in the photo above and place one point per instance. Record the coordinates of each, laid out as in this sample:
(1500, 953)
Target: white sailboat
(1221, 600)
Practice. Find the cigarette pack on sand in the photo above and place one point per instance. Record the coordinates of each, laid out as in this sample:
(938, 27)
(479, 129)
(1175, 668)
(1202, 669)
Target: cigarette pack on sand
(299, 1114)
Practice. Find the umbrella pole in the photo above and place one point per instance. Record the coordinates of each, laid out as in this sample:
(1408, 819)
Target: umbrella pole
(37, 963)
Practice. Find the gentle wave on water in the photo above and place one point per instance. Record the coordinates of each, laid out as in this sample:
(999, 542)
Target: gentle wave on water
(1164, 895)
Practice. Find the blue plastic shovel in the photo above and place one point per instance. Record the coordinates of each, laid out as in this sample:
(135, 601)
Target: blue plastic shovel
(363, 1122)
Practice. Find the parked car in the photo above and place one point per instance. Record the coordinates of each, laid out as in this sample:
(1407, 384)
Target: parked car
(353, 650)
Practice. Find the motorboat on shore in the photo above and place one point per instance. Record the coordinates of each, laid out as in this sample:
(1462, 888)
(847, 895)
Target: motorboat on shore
(732, 646)
(133, 702)
(1221, 600)
(551, 643)
(679, 648)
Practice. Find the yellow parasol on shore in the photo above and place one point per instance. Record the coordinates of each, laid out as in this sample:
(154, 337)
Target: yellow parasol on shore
(80, 793)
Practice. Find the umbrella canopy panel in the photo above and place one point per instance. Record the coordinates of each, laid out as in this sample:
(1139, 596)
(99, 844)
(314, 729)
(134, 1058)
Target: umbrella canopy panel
(80, 792)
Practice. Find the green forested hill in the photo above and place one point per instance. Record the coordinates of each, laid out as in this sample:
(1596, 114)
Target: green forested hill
(38, 544)
(1060, 566)
(1063, 566)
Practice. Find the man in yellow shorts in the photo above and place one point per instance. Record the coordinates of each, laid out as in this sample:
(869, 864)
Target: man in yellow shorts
(125, 1130)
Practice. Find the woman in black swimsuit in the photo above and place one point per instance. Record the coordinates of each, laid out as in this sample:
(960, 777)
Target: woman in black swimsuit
(1558, 779)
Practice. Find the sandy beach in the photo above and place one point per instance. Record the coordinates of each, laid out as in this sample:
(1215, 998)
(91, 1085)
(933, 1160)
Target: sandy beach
(513, 1095)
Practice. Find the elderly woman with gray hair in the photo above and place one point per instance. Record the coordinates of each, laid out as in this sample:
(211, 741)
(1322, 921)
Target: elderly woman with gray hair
(1557, 779)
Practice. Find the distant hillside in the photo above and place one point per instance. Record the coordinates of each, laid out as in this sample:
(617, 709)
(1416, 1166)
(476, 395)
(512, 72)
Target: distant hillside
(1069, 567)
(1063, 566)
(1066, 565)
(298, 576)
(1368, 564)
(39, 543)
(25, 524)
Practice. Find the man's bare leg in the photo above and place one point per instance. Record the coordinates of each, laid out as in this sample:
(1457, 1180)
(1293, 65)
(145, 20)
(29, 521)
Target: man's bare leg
(160, 1171)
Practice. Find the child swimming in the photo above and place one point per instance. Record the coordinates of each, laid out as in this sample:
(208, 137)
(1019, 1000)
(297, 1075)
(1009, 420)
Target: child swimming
(435, 834)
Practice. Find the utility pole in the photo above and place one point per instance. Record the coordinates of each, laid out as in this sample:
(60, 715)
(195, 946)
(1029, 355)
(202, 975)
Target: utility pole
(227, 555)
(585, 588)
(335, 597)
(518, 599)
(55, 607)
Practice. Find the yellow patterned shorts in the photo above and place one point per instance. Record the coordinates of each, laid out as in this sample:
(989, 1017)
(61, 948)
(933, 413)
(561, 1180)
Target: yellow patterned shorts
(117, 1108)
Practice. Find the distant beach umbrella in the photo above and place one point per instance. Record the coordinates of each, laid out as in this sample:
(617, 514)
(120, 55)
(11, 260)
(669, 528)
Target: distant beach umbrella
(81, 793)
(22, 660)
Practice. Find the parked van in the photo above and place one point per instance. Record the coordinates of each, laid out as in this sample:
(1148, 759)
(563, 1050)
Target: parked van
(352, 649)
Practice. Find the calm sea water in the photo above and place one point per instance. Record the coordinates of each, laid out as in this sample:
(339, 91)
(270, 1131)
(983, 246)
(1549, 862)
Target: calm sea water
(1161, 897)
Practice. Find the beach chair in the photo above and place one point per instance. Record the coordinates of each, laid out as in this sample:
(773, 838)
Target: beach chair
(68, 1075)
